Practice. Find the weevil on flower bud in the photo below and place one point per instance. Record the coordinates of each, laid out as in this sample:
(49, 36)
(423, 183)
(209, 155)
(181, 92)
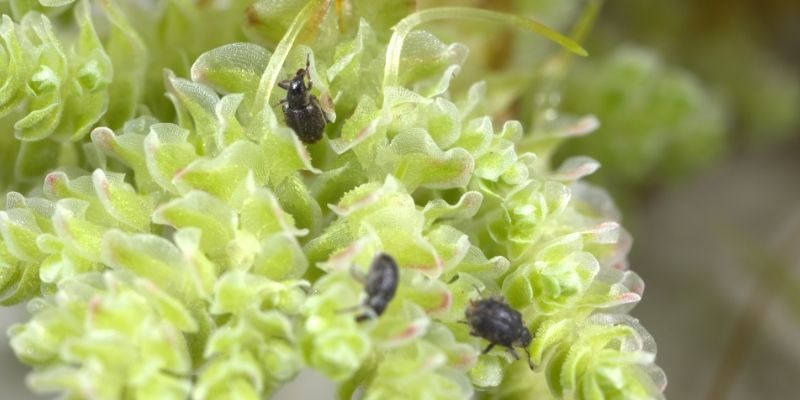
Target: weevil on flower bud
(301, 110)
(380, 285)
(494, 320)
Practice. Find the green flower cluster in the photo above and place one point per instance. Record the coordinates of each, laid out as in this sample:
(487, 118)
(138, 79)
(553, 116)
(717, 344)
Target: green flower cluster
(212, 256)
(60, 79)
(53, 93)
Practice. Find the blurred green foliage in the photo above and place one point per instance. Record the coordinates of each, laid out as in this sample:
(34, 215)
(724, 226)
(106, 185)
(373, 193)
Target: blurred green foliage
(745, 51)
(657, 122)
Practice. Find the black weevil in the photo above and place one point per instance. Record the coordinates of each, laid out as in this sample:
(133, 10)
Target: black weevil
(495, 321)
(380, 284)
(301, 109)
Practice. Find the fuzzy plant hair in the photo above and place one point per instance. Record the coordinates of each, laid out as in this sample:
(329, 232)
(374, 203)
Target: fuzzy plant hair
(191, 246)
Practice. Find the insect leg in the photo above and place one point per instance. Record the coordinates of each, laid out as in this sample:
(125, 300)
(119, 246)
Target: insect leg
(358, 274)
(349, 309)
(367, 314)
(513, 353)
(477, 289)
(488, 348)
(315, 101)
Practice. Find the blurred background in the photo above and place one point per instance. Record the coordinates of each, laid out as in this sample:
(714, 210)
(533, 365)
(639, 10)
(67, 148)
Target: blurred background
(717, 238)
(699, 103)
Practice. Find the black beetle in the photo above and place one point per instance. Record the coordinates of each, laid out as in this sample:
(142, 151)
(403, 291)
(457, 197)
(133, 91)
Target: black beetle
(495, 321)
(301, 109)
(380, 284)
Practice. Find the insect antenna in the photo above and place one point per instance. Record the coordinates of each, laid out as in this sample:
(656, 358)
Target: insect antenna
(528, 352)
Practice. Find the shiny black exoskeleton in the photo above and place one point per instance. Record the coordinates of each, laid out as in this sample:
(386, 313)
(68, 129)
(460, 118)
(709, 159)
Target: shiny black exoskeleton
(380, 286)
(495, 321)
(301, 110)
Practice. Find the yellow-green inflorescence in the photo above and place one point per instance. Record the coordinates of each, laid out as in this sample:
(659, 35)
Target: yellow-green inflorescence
(203, 251)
